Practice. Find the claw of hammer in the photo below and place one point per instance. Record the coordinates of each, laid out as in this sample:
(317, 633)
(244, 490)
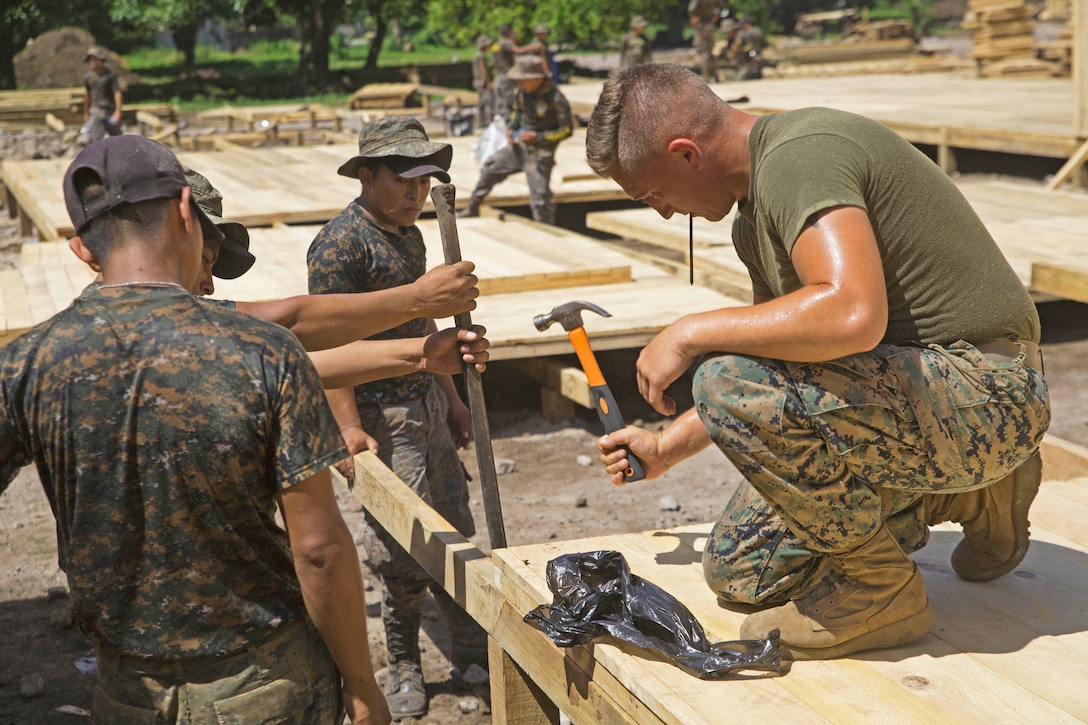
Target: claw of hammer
(569, 315)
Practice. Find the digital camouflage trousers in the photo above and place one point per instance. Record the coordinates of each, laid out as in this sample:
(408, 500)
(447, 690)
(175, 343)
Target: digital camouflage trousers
(832, 450)
(414, 441)
(536, 163)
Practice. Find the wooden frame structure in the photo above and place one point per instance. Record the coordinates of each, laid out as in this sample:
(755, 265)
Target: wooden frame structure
(1013, 650)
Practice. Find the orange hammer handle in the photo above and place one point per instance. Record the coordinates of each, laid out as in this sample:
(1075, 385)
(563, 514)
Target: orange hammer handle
(586, 356)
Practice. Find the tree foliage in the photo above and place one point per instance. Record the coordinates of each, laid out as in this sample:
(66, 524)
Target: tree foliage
(580, 23)
(182, 18)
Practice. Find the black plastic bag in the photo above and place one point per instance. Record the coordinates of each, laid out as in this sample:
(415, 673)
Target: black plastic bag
(597, 595)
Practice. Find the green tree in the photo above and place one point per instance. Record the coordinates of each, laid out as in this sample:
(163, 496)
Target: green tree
(581, 23)
(182, 18)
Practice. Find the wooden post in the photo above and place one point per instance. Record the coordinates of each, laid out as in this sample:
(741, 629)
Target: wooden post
(515, 698)
(1080, 69)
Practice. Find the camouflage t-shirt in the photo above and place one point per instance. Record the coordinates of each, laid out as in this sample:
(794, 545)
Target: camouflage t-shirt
(353, 254)
(546, 111)
(162, 428)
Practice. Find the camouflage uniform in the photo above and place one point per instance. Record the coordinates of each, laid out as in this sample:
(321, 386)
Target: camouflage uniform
(547, 112)
(704, 15)
(481, 83)
(635, 49)
(407, 416)
(162, 428)
(832, 450)
(502, 57)
(747, 52)
(101, 88)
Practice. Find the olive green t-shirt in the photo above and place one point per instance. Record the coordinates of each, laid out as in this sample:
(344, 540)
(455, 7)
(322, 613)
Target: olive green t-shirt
(946, 278)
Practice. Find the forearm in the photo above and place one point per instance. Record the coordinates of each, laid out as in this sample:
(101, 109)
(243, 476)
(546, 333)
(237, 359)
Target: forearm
(344, 409)
(683, 438)
(365, 360)
(332, 589)
(324, 321)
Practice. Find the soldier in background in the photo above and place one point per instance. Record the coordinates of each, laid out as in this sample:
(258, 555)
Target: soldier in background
(540, 119)
(481, 82)
(636, 48)
(101, 99)
(746, 51)
(547, 57)
(703, 16)
(504, 54)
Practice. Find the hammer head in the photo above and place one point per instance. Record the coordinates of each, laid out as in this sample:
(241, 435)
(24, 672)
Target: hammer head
(568, 314)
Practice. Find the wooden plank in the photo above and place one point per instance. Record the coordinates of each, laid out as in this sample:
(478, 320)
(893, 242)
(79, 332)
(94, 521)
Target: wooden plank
(556, 375)
(1070, 284)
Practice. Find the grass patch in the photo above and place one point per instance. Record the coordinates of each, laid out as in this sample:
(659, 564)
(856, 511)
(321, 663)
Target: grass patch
(266, 71)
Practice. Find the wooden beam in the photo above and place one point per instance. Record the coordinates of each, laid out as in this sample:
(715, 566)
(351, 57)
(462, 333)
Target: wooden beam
(566, 677)
(1080, 69)
(558, 376)
(554, 280)
(1069, 168)
(54, 123)
(1069, 284)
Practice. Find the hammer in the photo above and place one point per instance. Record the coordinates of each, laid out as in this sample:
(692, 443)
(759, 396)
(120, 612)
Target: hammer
(569, 314)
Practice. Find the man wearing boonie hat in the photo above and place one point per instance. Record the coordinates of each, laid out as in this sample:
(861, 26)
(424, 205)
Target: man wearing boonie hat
(166, 434)
(415, 423)
(101, 98)
(330, 326)
(541, 118)
(636, 48)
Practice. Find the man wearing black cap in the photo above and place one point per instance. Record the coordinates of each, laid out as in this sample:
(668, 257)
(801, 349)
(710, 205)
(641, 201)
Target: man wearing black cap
(541, 118)
(166, 434)
(374, 244)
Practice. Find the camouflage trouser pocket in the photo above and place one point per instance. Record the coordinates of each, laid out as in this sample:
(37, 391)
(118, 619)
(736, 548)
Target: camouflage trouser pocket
(279, 701)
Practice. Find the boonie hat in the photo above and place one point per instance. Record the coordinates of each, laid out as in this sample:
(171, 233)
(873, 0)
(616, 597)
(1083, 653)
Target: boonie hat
(542, 28)
(638, 22)
(133, 169)
(727, 25)
(527, 68)
(95, 52)
(401, 143)
(483, 41)
(235, 259)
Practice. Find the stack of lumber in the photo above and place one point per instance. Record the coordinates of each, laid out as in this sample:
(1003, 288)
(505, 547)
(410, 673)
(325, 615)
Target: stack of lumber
(30, 107)
(1004, 36)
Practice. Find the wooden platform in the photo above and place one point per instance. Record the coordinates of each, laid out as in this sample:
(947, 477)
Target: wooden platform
(1011, 651)
(949, 110)
(1040, 232)
(525, 269)
(291, 184)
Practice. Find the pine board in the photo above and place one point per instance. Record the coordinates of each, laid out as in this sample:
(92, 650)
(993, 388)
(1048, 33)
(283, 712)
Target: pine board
(547, 265)
(1015, 115)
(299, 185)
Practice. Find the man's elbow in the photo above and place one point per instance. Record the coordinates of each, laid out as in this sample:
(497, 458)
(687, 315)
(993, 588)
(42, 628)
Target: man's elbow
(863, 328)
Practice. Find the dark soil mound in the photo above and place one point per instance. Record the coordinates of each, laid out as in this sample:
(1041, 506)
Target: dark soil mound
(56, 60)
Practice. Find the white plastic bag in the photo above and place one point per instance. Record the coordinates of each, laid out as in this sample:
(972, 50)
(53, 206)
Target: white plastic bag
(491, 140)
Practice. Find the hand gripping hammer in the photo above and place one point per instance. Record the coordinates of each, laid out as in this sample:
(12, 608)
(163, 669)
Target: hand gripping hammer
(569, 315)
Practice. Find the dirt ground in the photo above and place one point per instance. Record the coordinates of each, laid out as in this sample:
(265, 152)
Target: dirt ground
(557, 492)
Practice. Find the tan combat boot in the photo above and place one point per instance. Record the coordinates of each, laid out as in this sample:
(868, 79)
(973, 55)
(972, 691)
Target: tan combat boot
(994, 519)
(874, 597)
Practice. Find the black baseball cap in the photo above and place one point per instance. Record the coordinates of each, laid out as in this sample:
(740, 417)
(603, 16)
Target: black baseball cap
(133, 169)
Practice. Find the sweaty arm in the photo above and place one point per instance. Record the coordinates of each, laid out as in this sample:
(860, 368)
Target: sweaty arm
(659, 452)
(327, 566)
(330, 320)
(841, 308)
(365, 360)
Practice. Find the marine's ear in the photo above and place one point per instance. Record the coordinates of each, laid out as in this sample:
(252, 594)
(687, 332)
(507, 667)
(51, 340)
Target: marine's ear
(85, 255)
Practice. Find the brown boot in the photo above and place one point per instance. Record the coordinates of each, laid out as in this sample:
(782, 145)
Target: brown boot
(874, 597)
(995, 522)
